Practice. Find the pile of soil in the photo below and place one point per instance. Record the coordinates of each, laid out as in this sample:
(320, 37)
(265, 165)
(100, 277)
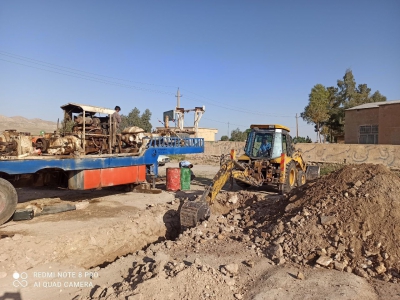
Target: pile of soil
(347, 220)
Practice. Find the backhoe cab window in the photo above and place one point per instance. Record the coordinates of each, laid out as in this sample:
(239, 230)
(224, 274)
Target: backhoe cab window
(262, 145)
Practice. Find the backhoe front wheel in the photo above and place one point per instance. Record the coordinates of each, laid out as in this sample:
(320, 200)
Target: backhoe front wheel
(301, 178)
(290, 177)
(8, 200)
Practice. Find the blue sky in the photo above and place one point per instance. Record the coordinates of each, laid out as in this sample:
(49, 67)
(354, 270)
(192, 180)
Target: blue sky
(246, 61)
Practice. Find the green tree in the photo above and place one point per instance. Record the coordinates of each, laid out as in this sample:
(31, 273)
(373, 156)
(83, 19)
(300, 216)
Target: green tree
(135, 119)
(224, 138)
(316, 112)
(347, 89)
(301, 139)
(66, 126)
(347, 94)
(238, 135)
(145, 120)
(336, 115)
(377, 97)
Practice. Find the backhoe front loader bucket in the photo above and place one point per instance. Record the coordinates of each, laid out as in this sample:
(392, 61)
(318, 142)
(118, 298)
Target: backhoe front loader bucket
(312, 172)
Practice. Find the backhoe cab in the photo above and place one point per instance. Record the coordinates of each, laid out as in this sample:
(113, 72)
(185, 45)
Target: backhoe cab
(270, 159)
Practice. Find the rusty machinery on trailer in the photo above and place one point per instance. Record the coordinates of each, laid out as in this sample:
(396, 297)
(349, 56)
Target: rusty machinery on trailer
(85, 130)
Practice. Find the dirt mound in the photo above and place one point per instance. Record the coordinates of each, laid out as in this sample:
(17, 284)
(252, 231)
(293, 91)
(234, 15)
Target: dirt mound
(348, 220)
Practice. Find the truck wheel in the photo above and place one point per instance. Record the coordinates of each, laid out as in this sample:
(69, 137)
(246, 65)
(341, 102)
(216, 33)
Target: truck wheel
(8, 200)
(290, 177)
(301, 178)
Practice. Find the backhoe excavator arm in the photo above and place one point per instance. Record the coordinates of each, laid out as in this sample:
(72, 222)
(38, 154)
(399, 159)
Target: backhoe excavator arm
(193, 212)
(219, 180)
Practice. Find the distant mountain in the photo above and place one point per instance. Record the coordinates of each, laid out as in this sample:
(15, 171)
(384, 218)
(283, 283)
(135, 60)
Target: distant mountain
(34, 126)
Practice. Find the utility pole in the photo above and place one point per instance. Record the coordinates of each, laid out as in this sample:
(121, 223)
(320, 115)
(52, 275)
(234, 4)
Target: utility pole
(178, 102)
(297, 126)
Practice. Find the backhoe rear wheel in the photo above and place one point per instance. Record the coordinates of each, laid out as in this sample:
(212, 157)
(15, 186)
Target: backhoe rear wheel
(291, 174)
(8, 200)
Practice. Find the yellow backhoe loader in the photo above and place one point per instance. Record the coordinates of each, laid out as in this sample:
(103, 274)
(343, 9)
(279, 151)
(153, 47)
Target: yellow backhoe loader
(269, 159)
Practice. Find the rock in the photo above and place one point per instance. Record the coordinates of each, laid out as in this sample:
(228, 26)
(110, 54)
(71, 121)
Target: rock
(300, 275)
(3, 274)
(280, 260)
(380, 269)
(237, 217)
(327, 220)
(249, 223)
(360, 272)
(338, 266)
(275, 251)
(358, 183)
(324, 260)
(296, 218)
(352, 191)
(81, 205)
(168, 244)
(246, 238)
(232, 268)
(238, 296)
(220, 236)
(197, 261)
(258, 240)
(229, 281)
(146, 276)
(349, 269)
(346, 194)
(280, 240)
(233, 199)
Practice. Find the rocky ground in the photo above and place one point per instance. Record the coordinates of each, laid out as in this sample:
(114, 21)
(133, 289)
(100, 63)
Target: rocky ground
(335, 238)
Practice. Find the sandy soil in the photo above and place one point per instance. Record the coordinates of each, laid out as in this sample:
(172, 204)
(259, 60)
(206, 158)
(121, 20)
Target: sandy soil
(126, 245)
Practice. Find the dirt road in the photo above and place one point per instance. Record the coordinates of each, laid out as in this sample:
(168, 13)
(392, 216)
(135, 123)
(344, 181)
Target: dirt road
(126, 245)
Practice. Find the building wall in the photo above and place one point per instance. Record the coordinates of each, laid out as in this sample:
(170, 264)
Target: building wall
(388, 155)
(357, 117)
(207, 133)
(389, 124)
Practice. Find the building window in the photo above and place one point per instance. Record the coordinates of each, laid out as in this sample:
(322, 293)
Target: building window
(368, 134)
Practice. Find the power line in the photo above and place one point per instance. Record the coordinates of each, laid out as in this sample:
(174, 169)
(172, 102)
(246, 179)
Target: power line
(238, 108)
(247, 126)
(77, 74)
(73, 69)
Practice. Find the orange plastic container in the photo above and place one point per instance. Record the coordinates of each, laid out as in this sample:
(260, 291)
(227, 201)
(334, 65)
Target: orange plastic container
(173, 179)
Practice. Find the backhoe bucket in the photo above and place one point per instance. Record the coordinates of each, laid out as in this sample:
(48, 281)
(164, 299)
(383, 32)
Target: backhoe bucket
(312, 172)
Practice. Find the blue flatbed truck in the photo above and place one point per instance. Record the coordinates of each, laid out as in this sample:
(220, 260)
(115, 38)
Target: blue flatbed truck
(92, 155)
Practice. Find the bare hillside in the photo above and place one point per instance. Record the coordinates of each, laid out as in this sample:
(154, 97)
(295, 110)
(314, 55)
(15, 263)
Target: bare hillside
(34, 126)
